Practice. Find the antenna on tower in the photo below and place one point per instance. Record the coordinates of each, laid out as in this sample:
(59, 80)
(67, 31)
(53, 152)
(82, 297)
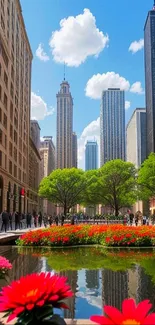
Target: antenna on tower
(64, 71)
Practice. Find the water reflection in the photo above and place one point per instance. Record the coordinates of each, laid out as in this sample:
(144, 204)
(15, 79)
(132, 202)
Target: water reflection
(92, 288)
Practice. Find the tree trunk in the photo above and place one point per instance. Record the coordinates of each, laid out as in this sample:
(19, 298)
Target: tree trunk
(65, 209)
(116, 210)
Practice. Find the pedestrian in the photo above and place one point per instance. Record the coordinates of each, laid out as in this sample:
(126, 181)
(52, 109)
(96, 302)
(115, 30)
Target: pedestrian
(10, 220)
(56, 220)
(136, 219)
(17, 220)
(131, 217)
(40, 219)
(5, 220)
(72, 220)
(144, 220)
(28, 220)
(62, 220)
(50, 220)
(45, 220)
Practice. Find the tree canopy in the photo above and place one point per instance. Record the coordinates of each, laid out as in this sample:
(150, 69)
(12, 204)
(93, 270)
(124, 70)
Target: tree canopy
(64, 187)
(118, 184)
(146, 178)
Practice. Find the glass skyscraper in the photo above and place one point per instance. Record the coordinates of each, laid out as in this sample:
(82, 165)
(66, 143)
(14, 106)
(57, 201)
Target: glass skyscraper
(149, 50)
(112, 125)
(91, 155)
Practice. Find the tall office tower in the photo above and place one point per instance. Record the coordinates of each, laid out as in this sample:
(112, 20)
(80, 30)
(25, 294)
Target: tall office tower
(114, 288)
(72, 278)
(91, 155)
(35, 133)
(92, 279)
(149, 50)
(136, 137)
(112, 125)
(15, 93)
(74, 150)
(64, 126)
(47, 153)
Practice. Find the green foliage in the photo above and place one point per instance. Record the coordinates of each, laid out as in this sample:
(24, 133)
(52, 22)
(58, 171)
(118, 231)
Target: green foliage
(117, 186)
(146, 178)
(64, 187)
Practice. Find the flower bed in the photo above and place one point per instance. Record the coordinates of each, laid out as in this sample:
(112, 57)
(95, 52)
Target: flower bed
(107, 235)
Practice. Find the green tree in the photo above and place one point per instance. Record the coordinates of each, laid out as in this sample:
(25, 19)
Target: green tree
(146, 178)
(91, 195)
(117, 184)
(64, 187)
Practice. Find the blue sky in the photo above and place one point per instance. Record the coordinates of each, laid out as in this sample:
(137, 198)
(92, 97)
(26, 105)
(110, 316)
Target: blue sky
(94, 44)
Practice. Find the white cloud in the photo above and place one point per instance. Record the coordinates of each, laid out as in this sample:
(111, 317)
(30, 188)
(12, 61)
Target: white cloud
(41, 54)
(137, 88)
(99, 82)
(136, 46)
(77, 38)
(39, 109)
(90, 132)
(127, 104)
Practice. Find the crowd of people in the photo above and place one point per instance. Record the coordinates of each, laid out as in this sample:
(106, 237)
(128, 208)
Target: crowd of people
(18, 220)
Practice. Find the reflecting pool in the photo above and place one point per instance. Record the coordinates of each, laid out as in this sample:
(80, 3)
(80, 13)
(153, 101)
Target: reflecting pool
(97, 276)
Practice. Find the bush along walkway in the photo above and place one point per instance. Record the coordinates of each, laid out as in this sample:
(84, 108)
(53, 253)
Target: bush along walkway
(106, 235)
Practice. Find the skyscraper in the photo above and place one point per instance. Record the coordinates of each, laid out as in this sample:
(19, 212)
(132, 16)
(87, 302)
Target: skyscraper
(74, 150)
(112, 125)
(149, 50)
(136, 137)
(15, 98)
(64, 126)
(47, 153)
(91, 153)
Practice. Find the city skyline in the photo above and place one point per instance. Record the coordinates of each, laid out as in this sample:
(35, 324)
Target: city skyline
(91, 155)
(126, 68)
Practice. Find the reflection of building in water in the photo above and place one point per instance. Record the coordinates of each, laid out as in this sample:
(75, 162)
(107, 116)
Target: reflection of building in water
(114, 287)
(133, 280)
(22, 264)
(72, 277)
(146, 288)
(92, 279)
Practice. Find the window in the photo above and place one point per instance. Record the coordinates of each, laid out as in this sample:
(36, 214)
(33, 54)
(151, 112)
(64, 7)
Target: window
(5, 101)
(15, 136)
(1, 136)
(0, 114)
(0, 92)
(10, 166)
(11, 131)
(11, 110)
(4, 55)
(19, 174)
(5, 143)
(15, 154)
(15, 171)
(0, 158)
(5, 79)
(11, 90)
(0, 69)
(10, 148)
(5, 121)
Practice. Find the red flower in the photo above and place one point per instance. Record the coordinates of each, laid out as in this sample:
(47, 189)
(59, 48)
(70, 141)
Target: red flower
(33, 291)
(130, 315)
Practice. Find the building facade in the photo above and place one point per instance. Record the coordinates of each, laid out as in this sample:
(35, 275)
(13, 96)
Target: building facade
(91, 155)
(34, 203)
(15, 92)
(74, 150)
(136, 137)
(47, 154)
(35, 133)
(64, 127)
(149, 51)
(112, 125)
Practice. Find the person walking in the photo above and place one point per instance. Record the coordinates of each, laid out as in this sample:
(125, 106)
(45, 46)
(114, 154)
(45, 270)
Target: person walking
(17, 220)
(28, 220)
(62, 220)
(10, 220)
(40, 219)
(56, 220)
(5, 220)
(131, 217)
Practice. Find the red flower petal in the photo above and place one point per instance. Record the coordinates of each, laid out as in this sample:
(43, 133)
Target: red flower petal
(142, 309)
(150, 319)
(129, 308)
(40, 303)
(30, 306)
(101, 320)
(114, 314)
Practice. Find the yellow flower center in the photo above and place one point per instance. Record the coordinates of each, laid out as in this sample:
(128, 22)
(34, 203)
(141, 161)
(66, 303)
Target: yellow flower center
(31, 293)
(130, 322)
